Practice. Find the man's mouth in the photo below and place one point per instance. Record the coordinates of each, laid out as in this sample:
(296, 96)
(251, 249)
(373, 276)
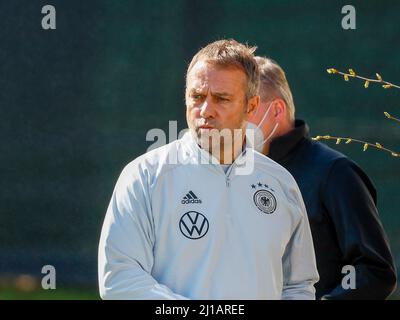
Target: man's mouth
(205, 127)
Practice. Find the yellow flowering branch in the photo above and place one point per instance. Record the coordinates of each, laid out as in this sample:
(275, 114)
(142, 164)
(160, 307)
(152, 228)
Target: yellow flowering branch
(365, 144)
(385, 85)
(346, 76)
(391, 117)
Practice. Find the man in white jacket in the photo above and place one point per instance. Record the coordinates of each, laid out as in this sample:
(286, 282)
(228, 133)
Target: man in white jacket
(186, 221)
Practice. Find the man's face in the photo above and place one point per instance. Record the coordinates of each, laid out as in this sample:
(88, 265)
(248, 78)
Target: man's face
(215, 99)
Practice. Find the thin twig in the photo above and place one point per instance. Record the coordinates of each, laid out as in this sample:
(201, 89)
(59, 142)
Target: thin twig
(385, 84)
(365, 143)
(390, 117)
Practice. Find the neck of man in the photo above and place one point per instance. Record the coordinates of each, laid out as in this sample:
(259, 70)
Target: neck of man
(234, 150)
(284, 128)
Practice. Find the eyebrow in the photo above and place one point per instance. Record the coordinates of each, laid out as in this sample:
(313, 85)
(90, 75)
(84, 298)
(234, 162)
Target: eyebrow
(200, 92)
(218, 94)
(221, 94)
(195, 91)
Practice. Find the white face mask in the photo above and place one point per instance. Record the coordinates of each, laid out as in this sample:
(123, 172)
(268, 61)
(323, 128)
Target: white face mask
(259, 138)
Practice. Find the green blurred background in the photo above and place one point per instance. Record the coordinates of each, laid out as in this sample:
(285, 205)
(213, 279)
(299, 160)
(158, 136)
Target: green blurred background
(76, 104)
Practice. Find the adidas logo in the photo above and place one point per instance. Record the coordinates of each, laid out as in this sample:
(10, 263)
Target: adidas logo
(190, 198)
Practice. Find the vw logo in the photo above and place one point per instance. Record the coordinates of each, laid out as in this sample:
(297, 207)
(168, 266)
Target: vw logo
(193, 225)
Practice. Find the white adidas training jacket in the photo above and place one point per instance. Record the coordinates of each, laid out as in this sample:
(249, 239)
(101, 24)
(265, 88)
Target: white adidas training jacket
(190, 231)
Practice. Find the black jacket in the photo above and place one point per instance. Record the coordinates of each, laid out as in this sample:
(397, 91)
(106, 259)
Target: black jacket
(341, 206)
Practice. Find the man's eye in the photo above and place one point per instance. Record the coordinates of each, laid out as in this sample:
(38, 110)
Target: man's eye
(196, 97)
(222, 99)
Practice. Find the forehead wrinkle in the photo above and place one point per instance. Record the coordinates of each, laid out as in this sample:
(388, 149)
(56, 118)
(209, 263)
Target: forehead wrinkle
(198, 84)
(199, 80)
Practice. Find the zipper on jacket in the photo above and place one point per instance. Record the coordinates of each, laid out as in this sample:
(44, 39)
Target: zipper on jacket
(228, 182)
(228, 174)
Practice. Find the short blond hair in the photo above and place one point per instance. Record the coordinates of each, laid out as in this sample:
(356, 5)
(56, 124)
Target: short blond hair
(273, 84)
(230, 53)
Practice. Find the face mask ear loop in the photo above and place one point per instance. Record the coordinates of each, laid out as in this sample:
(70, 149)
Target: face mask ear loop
(264, 117)
(270, 135)
(261, 122)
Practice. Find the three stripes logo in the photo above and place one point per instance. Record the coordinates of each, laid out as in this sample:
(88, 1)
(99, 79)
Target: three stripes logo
(193, 225)
(190, 198)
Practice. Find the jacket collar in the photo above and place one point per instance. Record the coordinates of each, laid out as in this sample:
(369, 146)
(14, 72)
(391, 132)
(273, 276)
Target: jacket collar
(281, 146)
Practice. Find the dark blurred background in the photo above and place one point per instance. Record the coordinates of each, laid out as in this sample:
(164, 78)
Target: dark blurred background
(76, 104)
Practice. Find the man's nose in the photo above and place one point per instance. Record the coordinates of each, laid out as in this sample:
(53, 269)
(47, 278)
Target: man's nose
(207, 109)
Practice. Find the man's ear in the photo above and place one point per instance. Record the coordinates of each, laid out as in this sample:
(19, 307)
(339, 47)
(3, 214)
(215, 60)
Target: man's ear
(279, 109)
(252, 105)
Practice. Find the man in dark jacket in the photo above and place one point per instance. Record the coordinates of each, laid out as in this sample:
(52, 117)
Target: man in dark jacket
(339, 197)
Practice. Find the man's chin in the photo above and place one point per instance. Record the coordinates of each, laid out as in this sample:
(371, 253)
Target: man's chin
(206, 143)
